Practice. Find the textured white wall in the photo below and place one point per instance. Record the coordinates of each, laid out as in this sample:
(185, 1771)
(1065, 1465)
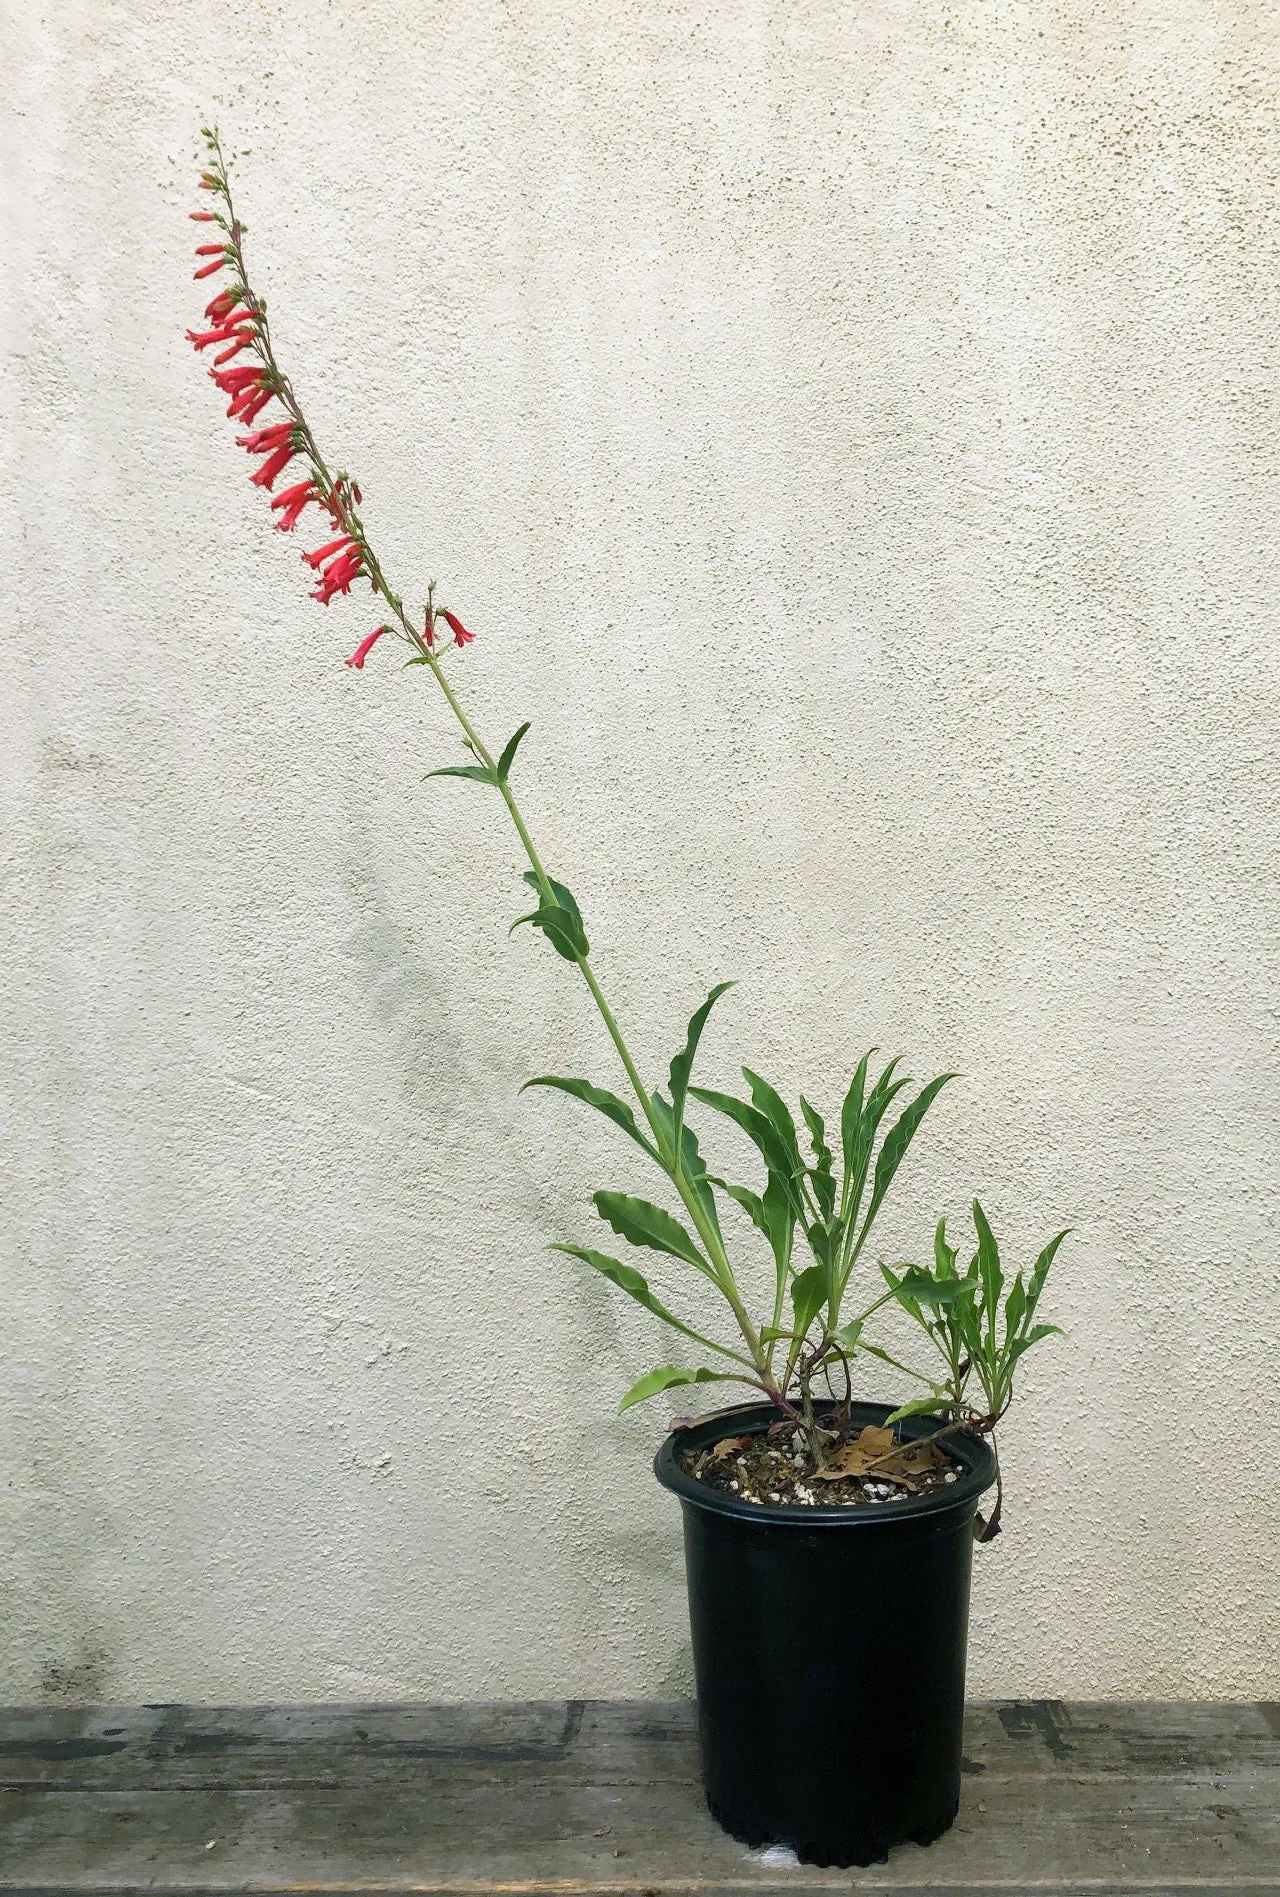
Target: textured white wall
(851, 431)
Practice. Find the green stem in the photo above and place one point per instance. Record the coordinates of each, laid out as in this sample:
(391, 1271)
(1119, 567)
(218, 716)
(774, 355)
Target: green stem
(343, 507)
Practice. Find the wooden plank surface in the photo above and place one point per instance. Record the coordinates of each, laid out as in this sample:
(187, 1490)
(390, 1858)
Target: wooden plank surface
(603, 1800)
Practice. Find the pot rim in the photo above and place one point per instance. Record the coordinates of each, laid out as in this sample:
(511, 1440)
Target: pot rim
(972, 1452)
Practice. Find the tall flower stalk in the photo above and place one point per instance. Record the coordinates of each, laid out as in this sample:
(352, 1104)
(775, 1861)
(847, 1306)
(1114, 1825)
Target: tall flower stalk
(830, 1202)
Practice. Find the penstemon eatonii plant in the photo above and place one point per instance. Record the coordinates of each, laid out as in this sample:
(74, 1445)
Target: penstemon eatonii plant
(828, 1199)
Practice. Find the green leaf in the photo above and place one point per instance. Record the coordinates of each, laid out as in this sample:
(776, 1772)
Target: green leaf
(775, 1109)
(478, 773)
(560, 920)
(808, 1295)
(944, 1255)
(692, 1164)
(849, 1335)
(864, 1139)
(922, 1288)
(824, 1185)
(601, 1099)
(988, 1268)
(895, 1284)
(509, 751)
(757, 1127)
(780, 1215)
(751, 1202)
(920, 1406)
(898, 1139)
(1015, 1306)
(636, 1286)
(666, 1378)
(641, 1223)
(1034, 1337)
(682, 1064)
(1040, 1270)
(851, 1111)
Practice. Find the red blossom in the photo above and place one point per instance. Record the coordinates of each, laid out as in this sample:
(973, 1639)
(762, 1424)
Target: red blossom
(321, 554)
(242, 338)
(203, 339)
(228, 379)
(337, 577)
(222, 306)
(293, 500)
(211, 250)
(365, 647)
(461, 637)
(266, 440)
(249, 404)
(207, 270)
(265, 475)
(202, 217)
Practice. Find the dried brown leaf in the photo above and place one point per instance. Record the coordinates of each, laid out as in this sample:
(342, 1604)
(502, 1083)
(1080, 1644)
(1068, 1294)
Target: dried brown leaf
(728, 1446)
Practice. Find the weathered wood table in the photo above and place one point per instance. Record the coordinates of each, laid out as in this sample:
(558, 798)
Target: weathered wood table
(603, 1799)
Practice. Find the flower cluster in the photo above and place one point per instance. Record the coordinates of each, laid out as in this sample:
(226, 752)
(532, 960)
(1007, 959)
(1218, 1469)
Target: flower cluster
(237, 322)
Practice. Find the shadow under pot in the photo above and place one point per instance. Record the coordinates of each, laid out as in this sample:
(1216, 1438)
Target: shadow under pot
(829, 1650)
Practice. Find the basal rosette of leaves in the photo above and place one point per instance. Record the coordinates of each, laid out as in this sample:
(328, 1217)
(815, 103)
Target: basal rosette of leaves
(816, 1196)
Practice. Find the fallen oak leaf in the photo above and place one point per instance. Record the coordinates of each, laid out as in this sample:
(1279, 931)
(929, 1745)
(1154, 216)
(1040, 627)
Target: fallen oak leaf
(870, 1446)
(727, 1446)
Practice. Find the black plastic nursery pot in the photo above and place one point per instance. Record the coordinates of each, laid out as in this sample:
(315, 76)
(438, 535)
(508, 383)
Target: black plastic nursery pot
(829, 1651)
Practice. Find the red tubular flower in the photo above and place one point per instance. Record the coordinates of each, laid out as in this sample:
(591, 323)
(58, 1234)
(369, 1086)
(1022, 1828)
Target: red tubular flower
(229, 379)
(337, 577)
(204, 339)
(249, 404)
(207, 270)
(265, 475)
(222, 305)
(293, 500)
(241, 340)
(211, 250)
(202, 217)
(365, 647)
(461, 637)
(321, 554)
(266, 440)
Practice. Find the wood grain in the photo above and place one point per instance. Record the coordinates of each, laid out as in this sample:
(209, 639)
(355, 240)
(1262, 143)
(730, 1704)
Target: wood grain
(603, 1800)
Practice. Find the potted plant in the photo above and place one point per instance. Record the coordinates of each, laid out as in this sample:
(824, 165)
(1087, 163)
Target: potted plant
(828, 1540)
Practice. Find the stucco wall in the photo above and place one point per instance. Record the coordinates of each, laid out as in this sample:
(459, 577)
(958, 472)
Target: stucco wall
(850, 429)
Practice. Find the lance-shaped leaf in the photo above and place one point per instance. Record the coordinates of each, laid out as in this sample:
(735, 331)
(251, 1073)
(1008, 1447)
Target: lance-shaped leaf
(1033, 1337)
(824, 1185)
(641, 1223)
(692, 1165)
(509, 752)
(558, 917)
(667, 1377)
(636, 1286)
(768, 1101)
(1015, 1307)
(601, 1099)
(758, 1129)
(988, 1269)
(478, 773)
(851, 1112)
(863, 1139)
(920, 1406)
(1040, 1270)
(921, 1288)
(682, 1063)
(808, 1295)
(897, 1140)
